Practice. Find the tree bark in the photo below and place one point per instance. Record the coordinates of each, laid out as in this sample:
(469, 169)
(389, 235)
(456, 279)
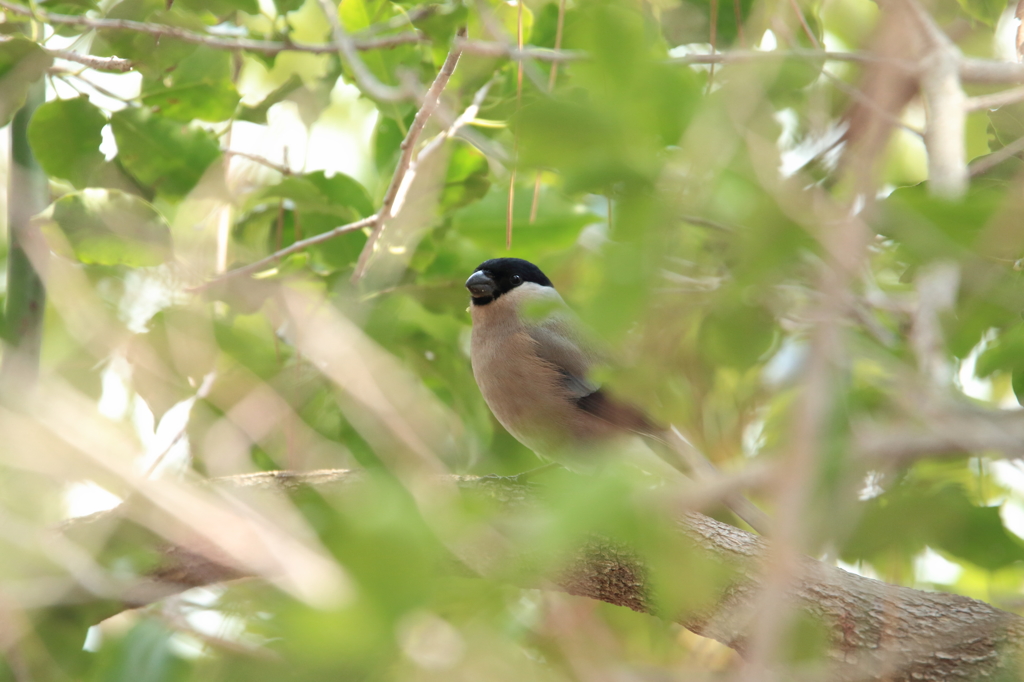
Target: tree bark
(875, 631)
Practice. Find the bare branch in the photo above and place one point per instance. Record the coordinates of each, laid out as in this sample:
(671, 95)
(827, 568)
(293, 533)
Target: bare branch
(988, 71)
(995, 100)
(295, 247)
(739, 56)
(873, 629)
(946, 113)
(949, 434)
(99, 63)
(218, 42)
(992, 160)
(408, 147)
(283, 170)
(376, 221)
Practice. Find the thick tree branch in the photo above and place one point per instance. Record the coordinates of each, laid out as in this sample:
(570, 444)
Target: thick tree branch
(875, 630)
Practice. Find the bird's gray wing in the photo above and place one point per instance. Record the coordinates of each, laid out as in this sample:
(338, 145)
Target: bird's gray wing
(561, 342)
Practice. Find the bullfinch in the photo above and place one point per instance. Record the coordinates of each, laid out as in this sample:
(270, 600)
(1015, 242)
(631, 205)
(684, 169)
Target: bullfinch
(532, 361)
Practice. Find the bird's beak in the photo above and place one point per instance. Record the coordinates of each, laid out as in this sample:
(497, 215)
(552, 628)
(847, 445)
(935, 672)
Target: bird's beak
(480, 285)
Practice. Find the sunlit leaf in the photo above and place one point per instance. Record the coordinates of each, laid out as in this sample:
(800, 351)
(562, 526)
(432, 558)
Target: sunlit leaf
(22, 63)
(109, 227)
(164, 154)
(200, 87)
(66, 136)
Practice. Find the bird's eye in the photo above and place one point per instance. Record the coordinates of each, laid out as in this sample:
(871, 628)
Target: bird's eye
(516, 280)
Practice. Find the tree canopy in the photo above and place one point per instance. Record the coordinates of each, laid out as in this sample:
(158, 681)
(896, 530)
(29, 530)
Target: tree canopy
(238, 236)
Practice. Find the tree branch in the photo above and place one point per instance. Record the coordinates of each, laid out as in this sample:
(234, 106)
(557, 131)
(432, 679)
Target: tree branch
(408, 147)
(377, 220)
(99, 63)
(294, 247)
(946, 114)
(219, 42)
(875, 630)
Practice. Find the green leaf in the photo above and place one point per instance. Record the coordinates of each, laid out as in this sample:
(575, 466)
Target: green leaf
(22, 63)
(109, 227)
(65, 135)
(357, 15)
(285, 6)
(153, 57)
(985, 11)
(1017, 383)
(342, 190)
(557, 226)
(1006, 353)
(916, 513)
(338, 195)
(143, 655)
(220, 8)
(258, 113)
(199, 88)
(468, 177)
(930, 227)
(387, 141)
(736, 335)
(167, 155)
(315, 204)
(74, 7)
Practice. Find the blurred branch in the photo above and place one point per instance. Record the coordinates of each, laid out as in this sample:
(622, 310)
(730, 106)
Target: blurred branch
(946, 434)
(408, 147)
(875, 630)
(295, 247)
(946, 114)
(185, 35)
(280, 168)
(29, 191)
(974, 70)
(971, 70)
(992, 160)
(378, 219)
(98, 63)
(995, 100)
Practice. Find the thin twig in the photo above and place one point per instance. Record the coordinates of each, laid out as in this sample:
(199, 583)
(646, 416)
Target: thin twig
(66, 76)
(283, 170)
(294, 247)
(115, 64)
(803, 22)
(430, 102)
(972, 70)
(992, 160)
(219, 42)
(994, 100)
(484, 48)
(736, 56)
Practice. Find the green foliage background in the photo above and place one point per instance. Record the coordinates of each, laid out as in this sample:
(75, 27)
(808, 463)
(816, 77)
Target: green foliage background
(665, 220)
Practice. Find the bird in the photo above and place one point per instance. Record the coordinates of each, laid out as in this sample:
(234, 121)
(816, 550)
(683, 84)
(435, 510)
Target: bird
(533, 360)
